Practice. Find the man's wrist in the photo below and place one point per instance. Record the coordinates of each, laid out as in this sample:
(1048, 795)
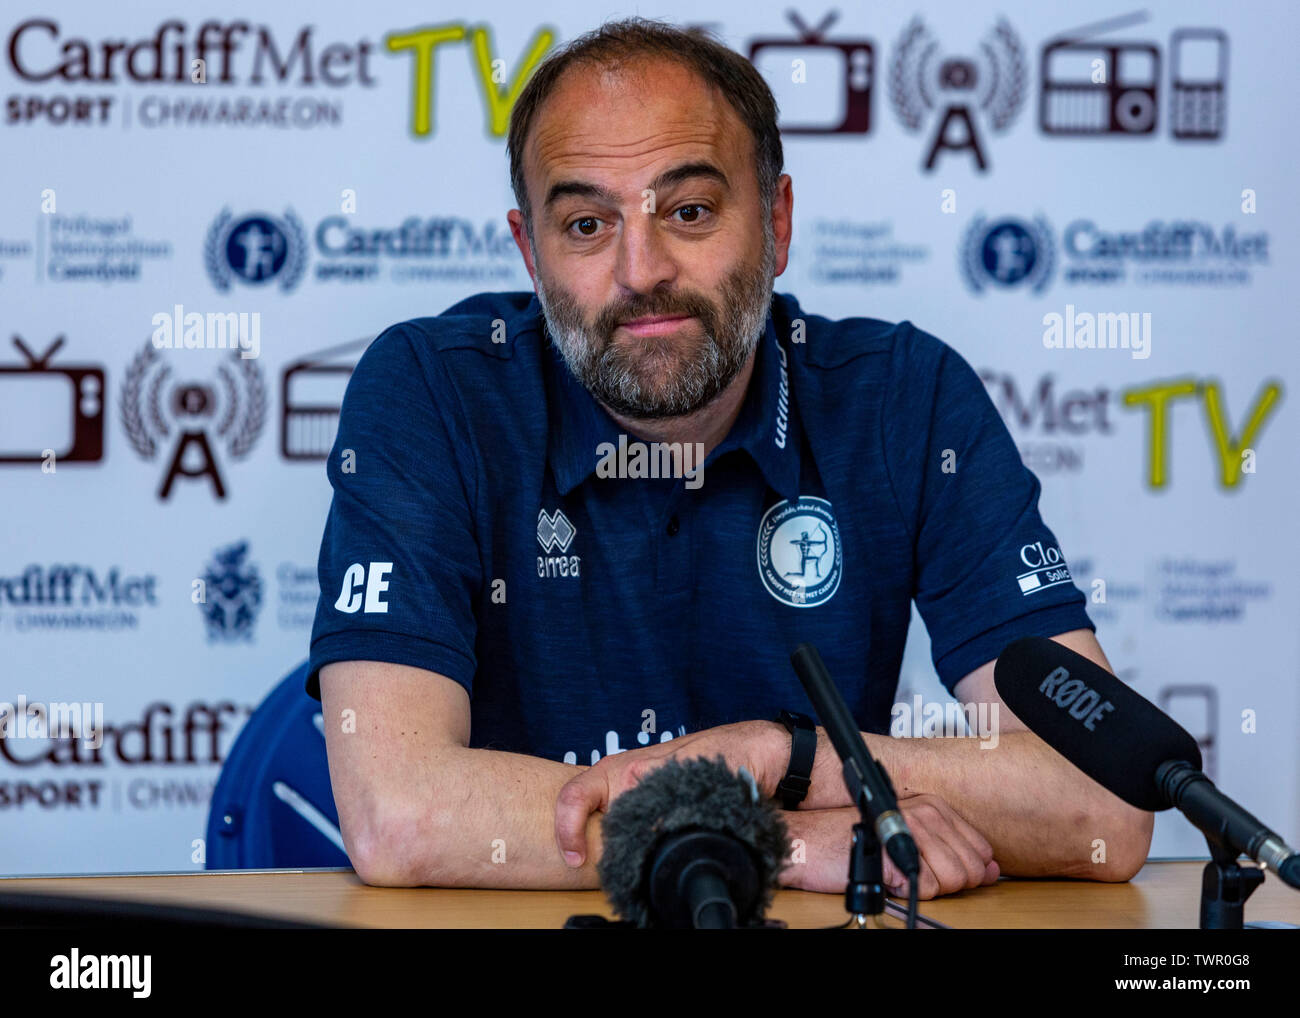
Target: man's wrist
(827, 776)
(775, 756)
(793, 787)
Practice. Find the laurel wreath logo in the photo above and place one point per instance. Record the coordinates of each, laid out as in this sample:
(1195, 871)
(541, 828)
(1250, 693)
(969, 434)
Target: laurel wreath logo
(214, 250)
(902, 69)
(972, 263)
(1004, 104)
(296, 259)
(780, 588)
(214, 247)
(254, 409)
(910, 75)
(244, 410)
(132, 422)
(765, 543)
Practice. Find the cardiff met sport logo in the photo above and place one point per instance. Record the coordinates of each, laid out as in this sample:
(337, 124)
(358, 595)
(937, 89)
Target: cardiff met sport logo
(255, 249)
(799, 553)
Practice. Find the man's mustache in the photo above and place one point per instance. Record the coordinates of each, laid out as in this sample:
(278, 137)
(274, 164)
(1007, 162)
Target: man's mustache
(611, 318)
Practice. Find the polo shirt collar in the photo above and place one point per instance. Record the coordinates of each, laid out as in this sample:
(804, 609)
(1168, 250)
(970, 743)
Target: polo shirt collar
(766, 428)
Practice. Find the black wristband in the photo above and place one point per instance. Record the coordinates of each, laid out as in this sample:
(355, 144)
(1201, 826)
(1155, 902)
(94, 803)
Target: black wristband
(803, 747)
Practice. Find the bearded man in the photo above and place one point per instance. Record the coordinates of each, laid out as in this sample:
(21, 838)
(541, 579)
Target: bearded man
(583, 529)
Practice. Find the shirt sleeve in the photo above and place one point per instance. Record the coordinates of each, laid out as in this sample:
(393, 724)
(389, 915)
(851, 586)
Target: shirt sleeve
(399, 566)
(987, 570)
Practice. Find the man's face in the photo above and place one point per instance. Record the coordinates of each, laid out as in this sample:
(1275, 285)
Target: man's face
(650, 250)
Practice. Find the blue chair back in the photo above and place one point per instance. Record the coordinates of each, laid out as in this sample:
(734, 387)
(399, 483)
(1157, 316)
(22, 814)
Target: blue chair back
(273, 807)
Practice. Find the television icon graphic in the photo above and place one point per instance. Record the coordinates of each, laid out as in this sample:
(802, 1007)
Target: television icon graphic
(59, 408)
(1072, 103)
(834, 95)
(311, 398)
(1198, 59)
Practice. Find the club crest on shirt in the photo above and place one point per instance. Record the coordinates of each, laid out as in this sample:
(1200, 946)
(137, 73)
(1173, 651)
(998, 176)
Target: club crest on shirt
(799, 553)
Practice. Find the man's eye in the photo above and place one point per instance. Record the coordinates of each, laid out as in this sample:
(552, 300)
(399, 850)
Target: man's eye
(586, 226)
(692, 213)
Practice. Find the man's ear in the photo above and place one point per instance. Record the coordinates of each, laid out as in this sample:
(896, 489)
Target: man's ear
(518, 231)
(783, 220)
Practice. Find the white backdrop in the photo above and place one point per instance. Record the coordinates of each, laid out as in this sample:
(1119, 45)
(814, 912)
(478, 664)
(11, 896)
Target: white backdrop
(125, 192)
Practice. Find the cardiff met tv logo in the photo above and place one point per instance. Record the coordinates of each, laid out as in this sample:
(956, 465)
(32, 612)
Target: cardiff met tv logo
(1007, 253)
(255, 250)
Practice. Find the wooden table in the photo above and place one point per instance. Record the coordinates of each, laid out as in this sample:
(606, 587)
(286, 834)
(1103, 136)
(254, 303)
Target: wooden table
(1163, 895)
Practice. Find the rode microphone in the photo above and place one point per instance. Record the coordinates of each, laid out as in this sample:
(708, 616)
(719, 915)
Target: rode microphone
(867, 781)
(1128, 745)
(692, 846)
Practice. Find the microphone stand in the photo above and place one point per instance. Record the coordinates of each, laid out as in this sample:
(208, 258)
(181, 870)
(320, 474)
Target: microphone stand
(864, 895)
(1225, 886)
(1225, 883)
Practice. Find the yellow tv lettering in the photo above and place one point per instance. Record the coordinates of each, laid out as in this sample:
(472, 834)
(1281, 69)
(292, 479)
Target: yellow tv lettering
(499, 105)
(423, 41)
(1228, 448)
(1158, 397)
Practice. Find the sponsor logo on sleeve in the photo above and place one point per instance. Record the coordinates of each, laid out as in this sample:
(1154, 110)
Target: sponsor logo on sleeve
(1046, 568)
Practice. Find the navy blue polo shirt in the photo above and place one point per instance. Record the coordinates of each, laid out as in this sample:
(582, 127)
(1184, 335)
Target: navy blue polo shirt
(476, 532)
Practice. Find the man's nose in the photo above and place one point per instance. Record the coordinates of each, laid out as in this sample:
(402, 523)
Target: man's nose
(644, 260)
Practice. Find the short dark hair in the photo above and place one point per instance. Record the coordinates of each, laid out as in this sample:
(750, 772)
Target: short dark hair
(617, 43)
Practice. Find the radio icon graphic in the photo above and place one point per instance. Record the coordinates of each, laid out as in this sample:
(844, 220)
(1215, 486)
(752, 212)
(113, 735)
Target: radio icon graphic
(1074, 102)
(834, 94)
(51, 408)
(311, 391)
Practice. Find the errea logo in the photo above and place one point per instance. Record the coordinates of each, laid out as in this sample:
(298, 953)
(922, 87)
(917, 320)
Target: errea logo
(373, 581)
(556, 533)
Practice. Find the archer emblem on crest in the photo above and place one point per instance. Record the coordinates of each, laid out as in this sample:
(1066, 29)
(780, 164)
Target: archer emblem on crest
(793, 535)
(805, 544)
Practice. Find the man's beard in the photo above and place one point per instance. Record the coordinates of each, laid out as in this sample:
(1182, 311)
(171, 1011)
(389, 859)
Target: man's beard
(650, 377)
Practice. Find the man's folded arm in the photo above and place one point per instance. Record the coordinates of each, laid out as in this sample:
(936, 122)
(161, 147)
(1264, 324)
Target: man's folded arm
(1042, 815)
(419, 808)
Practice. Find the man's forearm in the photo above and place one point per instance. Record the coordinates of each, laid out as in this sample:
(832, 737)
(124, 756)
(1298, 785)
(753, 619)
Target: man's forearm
(473, 818)
(1040, 814)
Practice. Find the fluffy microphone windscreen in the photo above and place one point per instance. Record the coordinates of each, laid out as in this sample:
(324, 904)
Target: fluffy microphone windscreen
(1100, 724)
(696, 794)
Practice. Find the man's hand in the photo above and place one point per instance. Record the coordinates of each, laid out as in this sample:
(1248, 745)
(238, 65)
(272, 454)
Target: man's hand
(761, 747)
(954, 856)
